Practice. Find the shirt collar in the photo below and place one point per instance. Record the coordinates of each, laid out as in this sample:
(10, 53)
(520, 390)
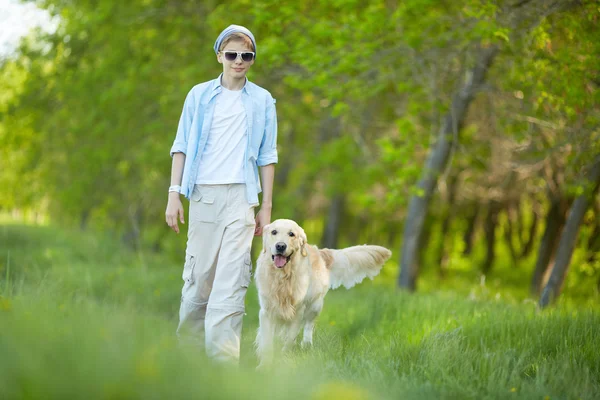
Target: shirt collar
(217, 85)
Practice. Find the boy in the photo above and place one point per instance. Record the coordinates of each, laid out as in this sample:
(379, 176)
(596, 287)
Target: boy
(227, 129)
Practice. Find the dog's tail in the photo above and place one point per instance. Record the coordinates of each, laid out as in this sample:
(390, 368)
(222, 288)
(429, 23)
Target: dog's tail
(351, 265)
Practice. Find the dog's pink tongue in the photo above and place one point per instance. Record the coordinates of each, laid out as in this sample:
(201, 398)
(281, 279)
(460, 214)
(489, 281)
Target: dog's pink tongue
(280, 260)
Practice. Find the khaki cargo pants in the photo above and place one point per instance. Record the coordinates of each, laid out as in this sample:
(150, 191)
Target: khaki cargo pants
(217, 269)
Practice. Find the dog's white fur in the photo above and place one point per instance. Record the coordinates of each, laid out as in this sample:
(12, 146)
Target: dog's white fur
(291, 297)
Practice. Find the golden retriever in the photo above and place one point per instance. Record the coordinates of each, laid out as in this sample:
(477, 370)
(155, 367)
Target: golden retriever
(293, 278)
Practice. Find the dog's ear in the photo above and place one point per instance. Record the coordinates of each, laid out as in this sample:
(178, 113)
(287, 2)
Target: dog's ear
(265, 232)
(303, 240)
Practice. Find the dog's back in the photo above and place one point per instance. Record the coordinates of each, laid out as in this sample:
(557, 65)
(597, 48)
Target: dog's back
(351, 265)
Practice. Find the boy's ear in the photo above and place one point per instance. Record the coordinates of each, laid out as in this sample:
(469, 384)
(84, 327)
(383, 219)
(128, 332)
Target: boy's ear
(265, 232)
(219, 58)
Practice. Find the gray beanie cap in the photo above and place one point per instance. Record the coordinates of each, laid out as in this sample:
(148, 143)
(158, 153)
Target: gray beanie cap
(234, 29)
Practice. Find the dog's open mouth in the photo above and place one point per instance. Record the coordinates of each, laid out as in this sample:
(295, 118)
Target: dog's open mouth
(280, 260)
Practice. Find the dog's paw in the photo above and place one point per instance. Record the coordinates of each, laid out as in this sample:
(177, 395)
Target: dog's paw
(306, 344)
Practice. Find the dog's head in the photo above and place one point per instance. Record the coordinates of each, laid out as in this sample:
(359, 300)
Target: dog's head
(282, 239)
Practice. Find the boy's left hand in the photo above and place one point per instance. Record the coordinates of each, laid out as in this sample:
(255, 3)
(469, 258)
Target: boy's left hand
(263, 218)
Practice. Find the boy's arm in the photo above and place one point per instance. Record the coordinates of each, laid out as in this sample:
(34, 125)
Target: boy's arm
(185, 123)
(174, 206)
(267, 153)
(267, 158)
(263, 218)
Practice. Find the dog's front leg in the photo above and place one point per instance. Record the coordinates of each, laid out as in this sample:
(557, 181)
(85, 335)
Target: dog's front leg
(311, 315)
(293, 328)
(265, 339)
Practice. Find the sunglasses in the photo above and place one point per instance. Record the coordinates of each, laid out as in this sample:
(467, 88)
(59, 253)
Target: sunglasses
(246, 56)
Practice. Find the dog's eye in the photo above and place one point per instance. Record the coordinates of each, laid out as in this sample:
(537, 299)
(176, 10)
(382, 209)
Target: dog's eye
(291, 234)
(273, 232)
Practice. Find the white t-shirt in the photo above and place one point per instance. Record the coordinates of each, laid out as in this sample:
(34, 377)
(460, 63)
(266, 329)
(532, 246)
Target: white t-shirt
(222, 161)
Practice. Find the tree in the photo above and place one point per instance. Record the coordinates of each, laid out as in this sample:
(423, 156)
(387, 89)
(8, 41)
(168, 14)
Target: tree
(521, 18)
(569, 235)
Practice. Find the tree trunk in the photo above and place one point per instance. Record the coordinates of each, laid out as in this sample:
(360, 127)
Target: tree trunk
(528, 246)
(355, 229)
(569, 237)
(593, 242)
(84, 219)
(511, 222)
(392, 233)
(334, 220)
(436, 163)
(470, 232)
(489, 227)
(441, 259)
(555, 220)
(424, 238)
(520, 223)
(131, 237)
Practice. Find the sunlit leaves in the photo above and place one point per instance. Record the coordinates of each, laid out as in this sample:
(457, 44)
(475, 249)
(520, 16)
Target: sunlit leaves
(97, 112)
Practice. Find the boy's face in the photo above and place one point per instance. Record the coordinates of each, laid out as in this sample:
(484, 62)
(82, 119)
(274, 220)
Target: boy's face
(238, 68)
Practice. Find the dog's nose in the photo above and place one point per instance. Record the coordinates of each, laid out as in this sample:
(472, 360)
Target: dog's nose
(280, 247)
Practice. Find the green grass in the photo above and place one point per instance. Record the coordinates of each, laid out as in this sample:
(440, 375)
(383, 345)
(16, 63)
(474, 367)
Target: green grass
(81, 317)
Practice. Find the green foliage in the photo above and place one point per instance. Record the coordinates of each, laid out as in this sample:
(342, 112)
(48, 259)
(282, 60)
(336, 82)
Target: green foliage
(88, 114)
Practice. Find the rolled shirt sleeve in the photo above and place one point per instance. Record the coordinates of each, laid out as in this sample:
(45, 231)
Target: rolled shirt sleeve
(185, 122)
(267, 153)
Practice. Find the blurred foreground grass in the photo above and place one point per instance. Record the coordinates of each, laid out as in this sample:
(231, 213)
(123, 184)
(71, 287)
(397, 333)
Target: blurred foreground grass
(81, 317)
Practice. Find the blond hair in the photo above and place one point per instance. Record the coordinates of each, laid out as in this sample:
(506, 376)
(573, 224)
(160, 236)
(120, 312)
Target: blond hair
(237, 37)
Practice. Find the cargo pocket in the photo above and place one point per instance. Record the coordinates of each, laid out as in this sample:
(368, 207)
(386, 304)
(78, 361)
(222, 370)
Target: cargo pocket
(246, 274)
(250, 218)
(203, 208)
(188, 269)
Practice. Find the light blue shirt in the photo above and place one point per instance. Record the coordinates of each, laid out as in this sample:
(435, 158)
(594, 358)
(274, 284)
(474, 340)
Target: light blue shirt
(195, 123)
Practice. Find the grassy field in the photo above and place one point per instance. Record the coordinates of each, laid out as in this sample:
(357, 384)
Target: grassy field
(81, 317)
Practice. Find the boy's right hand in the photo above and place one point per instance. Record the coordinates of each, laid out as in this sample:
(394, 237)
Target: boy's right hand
(174, 211)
